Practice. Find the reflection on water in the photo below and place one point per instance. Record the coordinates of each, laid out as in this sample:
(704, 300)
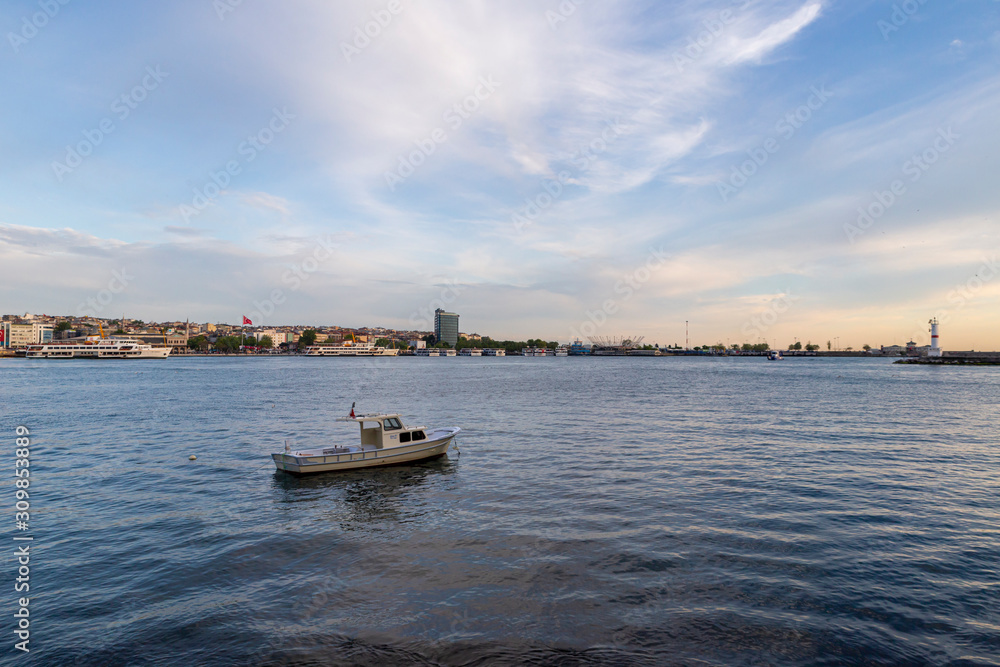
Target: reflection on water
(359, 498)
(603, 511)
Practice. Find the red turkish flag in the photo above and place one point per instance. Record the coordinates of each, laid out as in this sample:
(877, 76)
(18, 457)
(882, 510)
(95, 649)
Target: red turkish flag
(246, 320)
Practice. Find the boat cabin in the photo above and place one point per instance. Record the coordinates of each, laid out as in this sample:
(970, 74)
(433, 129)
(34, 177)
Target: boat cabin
(386, 430)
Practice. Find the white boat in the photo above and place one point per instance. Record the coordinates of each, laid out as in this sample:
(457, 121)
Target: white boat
(384, 441)
(562, 351)
(774, 355)
(350, 350)
(470, 352)
(96, 347)
(494, 352)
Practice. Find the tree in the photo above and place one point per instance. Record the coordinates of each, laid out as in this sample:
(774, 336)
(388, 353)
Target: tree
(307, 338)
(196, 342)
(795, 346)
(227, 343)
(811, 347)
(866, 347)
(63, 326)
(118, 332)
(828, 345)
(266, 342)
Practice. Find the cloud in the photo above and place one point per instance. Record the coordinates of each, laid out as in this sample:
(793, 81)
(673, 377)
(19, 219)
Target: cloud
(188, 232)
(776, 34)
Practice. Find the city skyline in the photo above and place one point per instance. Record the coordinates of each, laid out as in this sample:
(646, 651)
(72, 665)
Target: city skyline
(764, 171)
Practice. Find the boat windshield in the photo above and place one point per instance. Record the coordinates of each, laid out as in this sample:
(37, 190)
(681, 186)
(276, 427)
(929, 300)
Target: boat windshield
(391, 424)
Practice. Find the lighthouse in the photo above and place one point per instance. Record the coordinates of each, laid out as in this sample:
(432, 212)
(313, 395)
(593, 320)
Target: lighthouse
(935, 350)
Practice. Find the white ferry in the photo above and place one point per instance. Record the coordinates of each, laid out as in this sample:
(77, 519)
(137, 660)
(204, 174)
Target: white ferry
(350, 350)
(95, 347)
(470, 352)
(494, 352)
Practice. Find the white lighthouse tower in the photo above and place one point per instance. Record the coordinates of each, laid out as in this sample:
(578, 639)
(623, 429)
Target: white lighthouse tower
(935, 350)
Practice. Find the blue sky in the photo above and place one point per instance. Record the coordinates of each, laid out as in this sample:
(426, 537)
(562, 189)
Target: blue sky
(545, 169)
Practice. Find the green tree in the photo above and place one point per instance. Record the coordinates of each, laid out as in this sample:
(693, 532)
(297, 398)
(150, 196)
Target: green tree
(266, 342)
(63, 326)
(795, 346)
(307, 338)
(227, 343)
(118, 332)
(811, 347)
(866, 347)
(197, 342)
(828, 344)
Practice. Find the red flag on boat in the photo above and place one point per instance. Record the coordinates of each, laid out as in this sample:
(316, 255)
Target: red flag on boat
(352, 410)
(246, 320)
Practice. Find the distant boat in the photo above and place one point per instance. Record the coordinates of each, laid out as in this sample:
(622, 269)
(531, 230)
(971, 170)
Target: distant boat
(96, 347)
(774, 355)
(384, 441)
(350, 350)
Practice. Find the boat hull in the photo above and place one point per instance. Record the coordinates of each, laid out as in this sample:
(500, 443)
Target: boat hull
(299, 464)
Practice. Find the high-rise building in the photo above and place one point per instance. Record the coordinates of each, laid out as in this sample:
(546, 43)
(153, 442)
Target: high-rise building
(446, 327)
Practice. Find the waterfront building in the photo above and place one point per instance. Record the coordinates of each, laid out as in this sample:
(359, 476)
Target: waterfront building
(19, 336)
(446, 327)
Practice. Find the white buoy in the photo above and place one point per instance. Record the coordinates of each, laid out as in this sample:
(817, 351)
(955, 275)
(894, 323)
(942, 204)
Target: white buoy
(192, 457)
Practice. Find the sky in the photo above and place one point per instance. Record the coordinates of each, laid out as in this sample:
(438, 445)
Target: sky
(754, 171)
